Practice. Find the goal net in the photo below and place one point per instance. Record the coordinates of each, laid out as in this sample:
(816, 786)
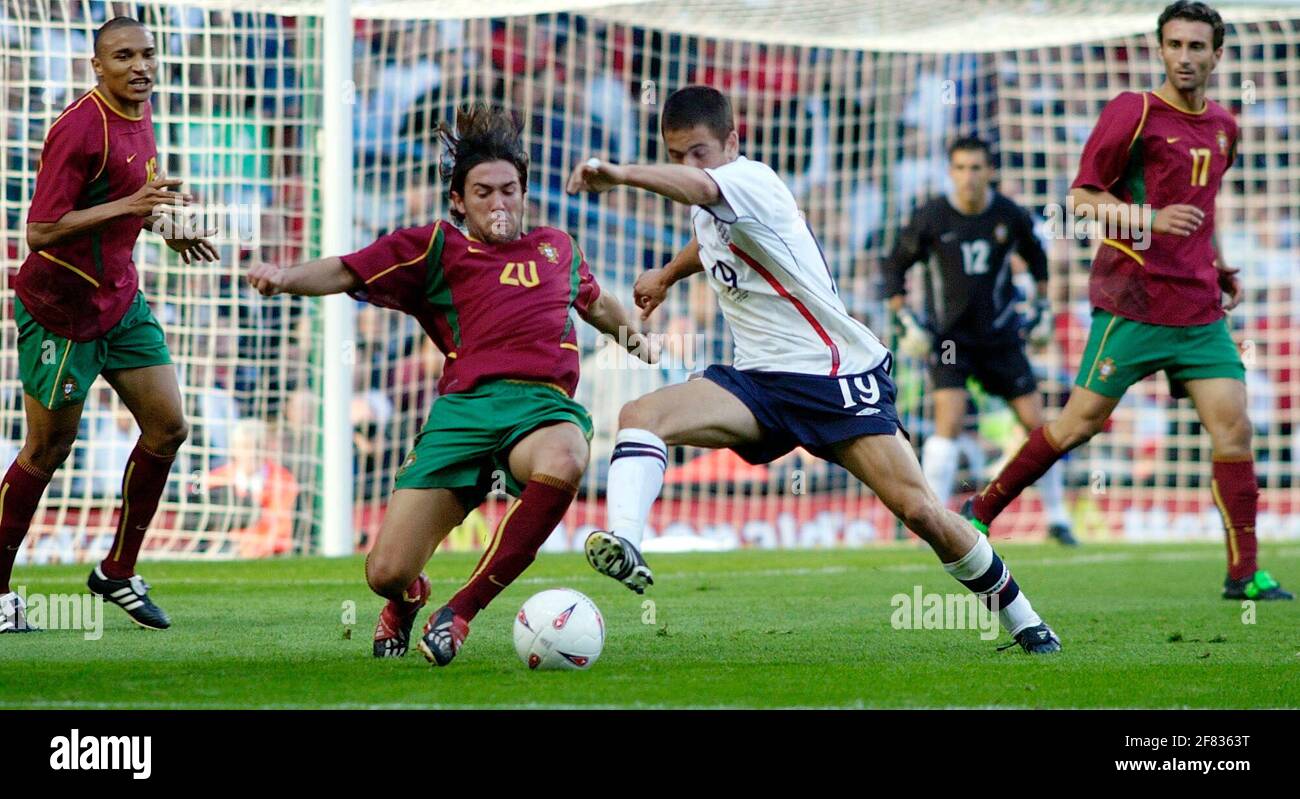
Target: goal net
(852, 103)
(235, 114)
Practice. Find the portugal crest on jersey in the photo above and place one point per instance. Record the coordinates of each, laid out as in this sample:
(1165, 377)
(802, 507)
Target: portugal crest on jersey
(549, 252)
(1222, 139)
(69, 386)
(1106, 369)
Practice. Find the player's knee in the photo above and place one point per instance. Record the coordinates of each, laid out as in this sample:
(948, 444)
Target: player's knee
(50, 458)
(166, 438)
(48, 452)
(385, 576)
(1232, 440)
(1074, 437)
(1079, 431)
(640, 415)
(565, 464)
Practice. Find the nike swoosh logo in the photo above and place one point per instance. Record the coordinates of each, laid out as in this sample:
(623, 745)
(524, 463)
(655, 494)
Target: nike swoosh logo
(492, 578)
(407, 598)
(868, 412)
(1171, 139)
(947, 237)
(131, 157)
(475, 250)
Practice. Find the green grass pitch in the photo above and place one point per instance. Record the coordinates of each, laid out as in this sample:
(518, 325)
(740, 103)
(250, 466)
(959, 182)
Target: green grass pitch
(1143, 626)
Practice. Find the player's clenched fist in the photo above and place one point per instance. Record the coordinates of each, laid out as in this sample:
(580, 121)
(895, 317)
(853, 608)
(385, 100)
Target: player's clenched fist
(649, 291)
(595, 176)
(268, 279)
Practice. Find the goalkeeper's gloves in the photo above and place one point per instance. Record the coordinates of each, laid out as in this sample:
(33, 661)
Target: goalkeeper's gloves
(1040, 324)
(914, 341)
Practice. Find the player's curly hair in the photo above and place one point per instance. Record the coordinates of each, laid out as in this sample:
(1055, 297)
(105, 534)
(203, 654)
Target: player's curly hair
(1193, 12)
(483, 133)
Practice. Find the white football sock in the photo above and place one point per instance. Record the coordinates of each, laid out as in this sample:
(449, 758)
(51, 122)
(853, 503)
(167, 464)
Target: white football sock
(636, 474)
(1052, 489)
(939, 462)
(968, 447)
(983, 572)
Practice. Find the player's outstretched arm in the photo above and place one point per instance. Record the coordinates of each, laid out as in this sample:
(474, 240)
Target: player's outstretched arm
(652, 285)
(1114, 214)
(684, 184)
(143, 203)
(607, 314)
(311, 279)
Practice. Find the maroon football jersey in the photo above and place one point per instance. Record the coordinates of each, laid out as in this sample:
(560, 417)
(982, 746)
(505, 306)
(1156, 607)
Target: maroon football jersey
(93, 154)
(1145, 151)
(497, 311)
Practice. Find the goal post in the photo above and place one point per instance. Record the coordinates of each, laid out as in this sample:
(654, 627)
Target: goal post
(338, 343)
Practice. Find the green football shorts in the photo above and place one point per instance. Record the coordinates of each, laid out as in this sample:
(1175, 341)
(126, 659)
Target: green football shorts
(1121, 352)
(465, 444)
(58, 372)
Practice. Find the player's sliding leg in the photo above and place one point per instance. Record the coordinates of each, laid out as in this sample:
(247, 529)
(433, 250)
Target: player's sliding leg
(1083, 416)
(697, 413)
(940, 451)
(153, 396)
(1029, 409)
(887, 465)
(415, 523)
(50, 435)
(549, 462)
(1221, 405)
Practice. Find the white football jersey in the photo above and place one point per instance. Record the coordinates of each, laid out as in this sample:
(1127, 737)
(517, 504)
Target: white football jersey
(773, 283)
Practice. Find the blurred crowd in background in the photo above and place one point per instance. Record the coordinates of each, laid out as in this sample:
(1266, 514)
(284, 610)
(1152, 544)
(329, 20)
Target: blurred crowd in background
(860, 138)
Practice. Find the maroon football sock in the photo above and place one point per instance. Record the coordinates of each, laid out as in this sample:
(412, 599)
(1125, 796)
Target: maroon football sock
(522, 531)
(1030, 463)
(142, 487)
(20, 493)
(1236, 492)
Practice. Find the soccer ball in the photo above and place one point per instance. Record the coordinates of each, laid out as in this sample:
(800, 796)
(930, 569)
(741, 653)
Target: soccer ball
(559, 629)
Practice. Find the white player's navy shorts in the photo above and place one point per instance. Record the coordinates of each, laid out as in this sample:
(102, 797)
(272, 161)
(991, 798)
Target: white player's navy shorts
(811, 411)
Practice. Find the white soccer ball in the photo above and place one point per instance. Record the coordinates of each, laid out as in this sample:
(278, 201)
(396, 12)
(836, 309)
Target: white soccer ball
(559, 629)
